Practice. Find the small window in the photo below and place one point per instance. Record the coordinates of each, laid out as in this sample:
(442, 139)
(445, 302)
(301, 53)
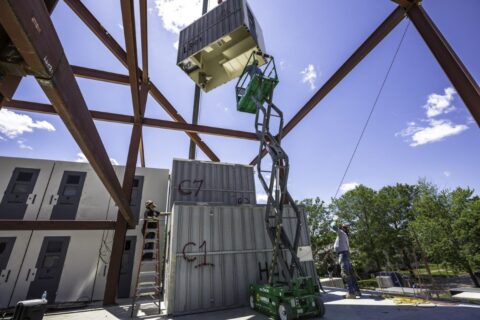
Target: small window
(20, 188)
(3, 246)
(128, 243)
(69, 191)
(54, 246)
(73, 179)
(24, 176)
(135, 183)
(50, 261)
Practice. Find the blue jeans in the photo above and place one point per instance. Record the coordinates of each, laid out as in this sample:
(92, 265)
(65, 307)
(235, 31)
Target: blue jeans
(347, 272)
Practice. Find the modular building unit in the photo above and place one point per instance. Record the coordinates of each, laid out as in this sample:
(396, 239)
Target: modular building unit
(216, 251)
(74, 192)
(204, 181)
(23, 183)
(63, 263)
(215, 48)
(13, 245)
(70, 265)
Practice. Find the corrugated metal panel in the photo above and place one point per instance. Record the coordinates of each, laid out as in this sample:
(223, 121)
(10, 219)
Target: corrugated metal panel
(234, 239)
(201, 181)
(212, 26)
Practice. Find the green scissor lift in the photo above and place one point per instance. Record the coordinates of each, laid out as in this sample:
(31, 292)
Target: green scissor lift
(297, 294)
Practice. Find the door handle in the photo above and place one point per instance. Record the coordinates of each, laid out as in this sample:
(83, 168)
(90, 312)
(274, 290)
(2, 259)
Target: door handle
(34, 197)
(8, 275)
(32, 273)
(104, 270)
(51, 199)
(28, 274)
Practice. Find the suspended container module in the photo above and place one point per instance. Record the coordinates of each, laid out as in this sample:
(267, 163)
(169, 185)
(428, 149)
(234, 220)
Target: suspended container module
(215, 48)
(214, 182)
(216, 251)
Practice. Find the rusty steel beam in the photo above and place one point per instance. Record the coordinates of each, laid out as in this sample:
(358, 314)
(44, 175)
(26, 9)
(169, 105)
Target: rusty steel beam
(371, 42)
(10, 83)
(126, 119)
(89, 19)
(142, 152)
(144, 39)
(451, 64)
(57, 224)
(116, 254)
(95, 74)
(31, 30)
(128, 18)
(8, 86)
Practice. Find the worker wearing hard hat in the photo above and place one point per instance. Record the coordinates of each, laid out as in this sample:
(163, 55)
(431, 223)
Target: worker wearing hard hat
(150, 214)
(342, 249)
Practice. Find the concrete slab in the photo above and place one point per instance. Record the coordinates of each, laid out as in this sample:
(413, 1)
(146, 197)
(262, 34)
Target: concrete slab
(467, 296)
(369, 307)
(413, 292)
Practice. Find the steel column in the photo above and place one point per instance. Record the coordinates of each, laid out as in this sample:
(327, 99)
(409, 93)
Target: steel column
(10, 83)
(371, 42)
(196, 101)
(451, 64)
(114, 266)
(30, 28)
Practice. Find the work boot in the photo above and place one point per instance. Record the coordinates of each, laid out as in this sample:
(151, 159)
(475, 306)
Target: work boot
(350, 296)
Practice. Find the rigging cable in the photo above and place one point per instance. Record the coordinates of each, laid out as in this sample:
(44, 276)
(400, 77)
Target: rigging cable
(372, 109)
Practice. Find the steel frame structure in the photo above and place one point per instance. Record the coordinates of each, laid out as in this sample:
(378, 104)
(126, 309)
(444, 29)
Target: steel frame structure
(26, 27)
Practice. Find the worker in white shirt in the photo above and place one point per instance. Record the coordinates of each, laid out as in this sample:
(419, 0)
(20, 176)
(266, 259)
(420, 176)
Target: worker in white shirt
(342, 249)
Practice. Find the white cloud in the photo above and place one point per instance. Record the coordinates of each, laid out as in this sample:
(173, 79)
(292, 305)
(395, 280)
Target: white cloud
(22, 145)
(438, 104)
(177, 14)
(447, 173)
(120, 26)
(14, 124)
(81, 158)
(348, 186)
(2, 138)
(283, 64)
(437, 130)
(309, 75)
(262, 198)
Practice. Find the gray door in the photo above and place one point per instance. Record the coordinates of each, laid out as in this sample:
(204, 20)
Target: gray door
(136, 198)
(49, 268)
(14, 202)
(69, 195)
(6, 246)
(126, 269)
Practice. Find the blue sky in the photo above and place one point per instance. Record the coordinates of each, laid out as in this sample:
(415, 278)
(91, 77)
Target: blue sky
(420, 127)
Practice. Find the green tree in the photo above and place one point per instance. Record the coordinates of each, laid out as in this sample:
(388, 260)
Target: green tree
(358, 207)
(467, 227)
(395, 203)
(438, 225)
(322, 238)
